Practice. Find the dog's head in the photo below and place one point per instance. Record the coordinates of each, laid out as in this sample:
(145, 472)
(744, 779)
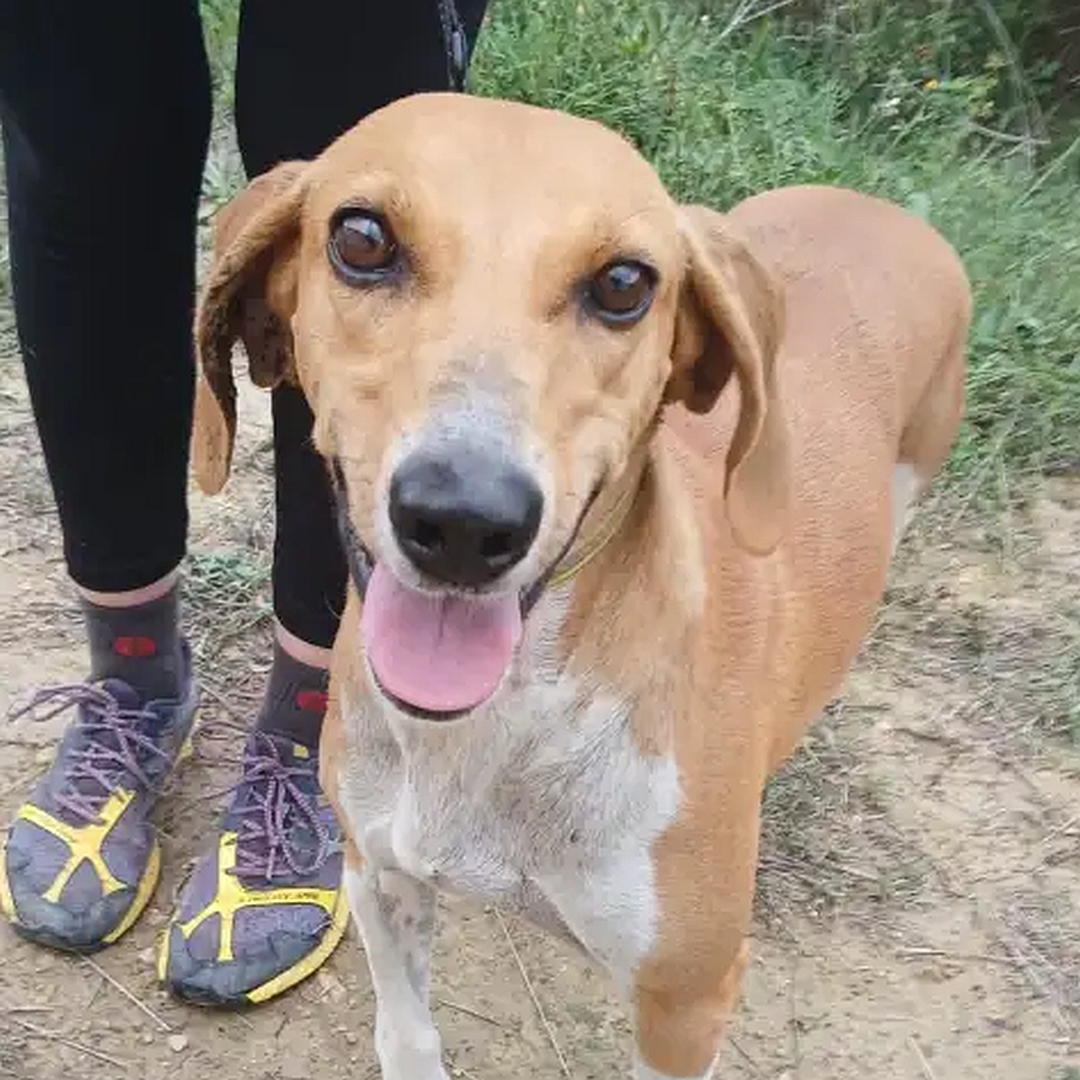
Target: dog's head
(486, 305)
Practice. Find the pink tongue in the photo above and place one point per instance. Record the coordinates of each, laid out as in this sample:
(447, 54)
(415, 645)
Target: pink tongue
(443, 654)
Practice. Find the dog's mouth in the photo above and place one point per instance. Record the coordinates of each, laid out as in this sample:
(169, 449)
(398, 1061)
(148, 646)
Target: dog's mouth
(437, 655)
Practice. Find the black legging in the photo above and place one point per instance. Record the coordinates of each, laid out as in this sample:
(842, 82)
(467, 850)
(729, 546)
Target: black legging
(105, 110)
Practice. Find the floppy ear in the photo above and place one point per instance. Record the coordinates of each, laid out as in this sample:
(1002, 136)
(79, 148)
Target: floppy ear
(731, 320)
(249, 294)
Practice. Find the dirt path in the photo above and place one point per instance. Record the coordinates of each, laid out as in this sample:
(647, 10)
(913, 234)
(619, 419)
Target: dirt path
(919, 912)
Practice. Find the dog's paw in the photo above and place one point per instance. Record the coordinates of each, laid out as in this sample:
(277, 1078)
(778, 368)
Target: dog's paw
(413, 1054)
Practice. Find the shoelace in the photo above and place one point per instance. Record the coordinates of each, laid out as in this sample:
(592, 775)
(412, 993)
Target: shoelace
(274, 804)
(113, 750)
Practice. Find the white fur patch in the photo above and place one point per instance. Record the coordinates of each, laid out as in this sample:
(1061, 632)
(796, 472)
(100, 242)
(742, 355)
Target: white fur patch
(396, 917)
(541, 801)
(643, 1072)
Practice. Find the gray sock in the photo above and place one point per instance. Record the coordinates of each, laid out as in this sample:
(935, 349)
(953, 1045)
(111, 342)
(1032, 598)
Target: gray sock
(139, 645)
(295, 700)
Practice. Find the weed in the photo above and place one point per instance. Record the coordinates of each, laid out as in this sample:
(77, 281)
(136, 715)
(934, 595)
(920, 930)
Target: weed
(1039, 931)
(221, 20)
(828, 839)
(724, 115)
(226, 593)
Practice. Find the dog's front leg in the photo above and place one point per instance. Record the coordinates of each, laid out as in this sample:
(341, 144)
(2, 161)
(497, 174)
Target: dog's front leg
(396, 917)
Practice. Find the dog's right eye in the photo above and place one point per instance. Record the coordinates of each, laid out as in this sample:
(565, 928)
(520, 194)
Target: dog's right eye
(621, 293)
(362, 248)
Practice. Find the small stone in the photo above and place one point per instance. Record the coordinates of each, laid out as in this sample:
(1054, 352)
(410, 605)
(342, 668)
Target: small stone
(330, 986)
(147, 1038)
(351, 1038)
(178, 1042)
(148, 955)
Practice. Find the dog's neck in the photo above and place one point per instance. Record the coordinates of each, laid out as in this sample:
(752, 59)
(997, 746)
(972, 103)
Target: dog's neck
(605, 517)
(650, 572)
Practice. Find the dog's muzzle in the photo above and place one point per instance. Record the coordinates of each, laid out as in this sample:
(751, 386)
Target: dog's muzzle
(439, 656)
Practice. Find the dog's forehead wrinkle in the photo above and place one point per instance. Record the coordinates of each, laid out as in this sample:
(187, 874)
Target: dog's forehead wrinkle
(591, 228)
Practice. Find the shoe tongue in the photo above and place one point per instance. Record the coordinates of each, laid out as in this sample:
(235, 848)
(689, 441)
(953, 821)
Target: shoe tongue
(103, 738)
(128, 699)
(437, 653)
(124, 695)
(293, 830)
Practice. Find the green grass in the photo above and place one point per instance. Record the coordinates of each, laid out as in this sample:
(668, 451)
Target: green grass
(226, 593)
(724, 116)
(221, 19)
(726, 104)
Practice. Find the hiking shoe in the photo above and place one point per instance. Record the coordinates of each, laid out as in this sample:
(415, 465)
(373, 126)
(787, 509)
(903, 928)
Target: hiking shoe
(265, 908)
(82, 856)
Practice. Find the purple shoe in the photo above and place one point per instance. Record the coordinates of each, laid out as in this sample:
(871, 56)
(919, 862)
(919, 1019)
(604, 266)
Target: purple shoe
(265, 908)
(82, 857)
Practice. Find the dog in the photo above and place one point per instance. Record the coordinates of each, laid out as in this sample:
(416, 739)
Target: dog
(619, 480)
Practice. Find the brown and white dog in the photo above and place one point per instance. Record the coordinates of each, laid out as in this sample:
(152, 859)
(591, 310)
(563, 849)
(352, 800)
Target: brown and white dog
(620, 480)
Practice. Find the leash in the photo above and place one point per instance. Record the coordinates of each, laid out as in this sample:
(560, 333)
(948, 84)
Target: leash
(455, 43)
(611, 525)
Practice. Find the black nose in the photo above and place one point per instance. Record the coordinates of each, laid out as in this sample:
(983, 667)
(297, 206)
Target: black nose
(463, 518)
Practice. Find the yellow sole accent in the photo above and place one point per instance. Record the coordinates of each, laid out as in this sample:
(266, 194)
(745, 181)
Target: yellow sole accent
(143, 893)
(310, 963)
(7, 901)
(163, 953)
(287, 979)
(147, 884)
(76, 841)
(188, 746)
(84, 843)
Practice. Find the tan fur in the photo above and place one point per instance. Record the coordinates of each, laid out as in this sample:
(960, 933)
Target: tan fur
(816, 337)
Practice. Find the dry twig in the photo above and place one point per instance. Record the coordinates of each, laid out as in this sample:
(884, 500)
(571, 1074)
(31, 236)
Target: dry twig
(469, 1012)
(56, 1036)
(532, 994)
(118, 986)
(923, 1063)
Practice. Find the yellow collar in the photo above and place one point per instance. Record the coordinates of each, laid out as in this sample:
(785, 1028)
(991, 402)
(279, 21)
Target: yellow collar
(585, 549)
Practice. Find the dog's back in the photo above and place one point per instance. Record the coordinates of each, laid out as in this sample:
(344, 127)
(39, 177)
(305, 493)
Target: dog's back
(871, 385)
(882, 303)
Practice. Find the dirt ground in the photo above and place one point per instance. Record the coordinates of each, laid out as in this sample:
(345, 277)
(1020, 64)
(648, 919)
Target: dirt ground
(919, 909)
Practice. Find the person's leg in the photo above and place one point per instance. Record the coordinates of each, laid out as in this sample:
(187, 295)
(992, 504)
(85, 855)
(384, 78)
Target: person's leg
(105, 111)
(297, 89)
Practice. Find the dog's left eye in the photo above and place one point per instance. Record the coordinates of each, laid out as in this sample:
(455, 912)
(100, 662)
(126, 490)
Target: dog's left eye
(362, 248)
(622, 292)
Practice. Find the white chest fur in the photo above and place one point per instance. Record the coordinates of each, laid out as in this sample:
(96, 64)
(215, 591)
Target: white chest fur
(542, 802)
